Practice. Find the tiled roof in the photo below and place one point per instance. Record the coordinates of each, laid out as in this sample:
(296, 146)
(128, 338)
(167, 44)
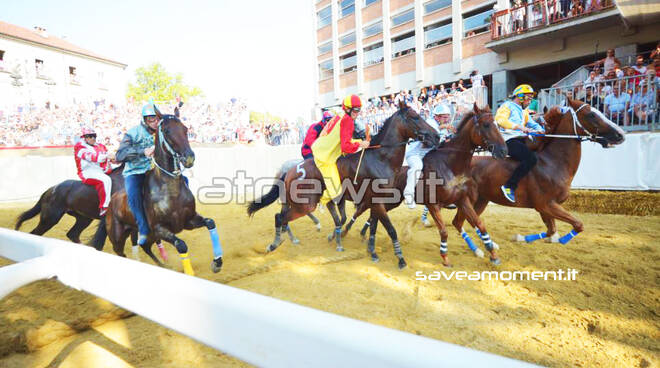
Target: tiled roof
(52, 41)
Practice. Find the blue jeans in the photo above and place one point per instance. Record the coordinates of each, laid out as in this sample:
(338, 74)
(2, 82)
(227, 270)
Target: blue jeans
(134, 192)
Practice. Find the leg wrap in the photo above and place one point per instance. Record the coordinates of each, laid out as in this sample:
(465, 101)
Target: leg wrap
(215, 239)
(425, 213)
(443, 248)
(468, 240)
(181, 246)
(534, 237)
(187, 265)
(487, 242)
(566, 238)
(397, 248)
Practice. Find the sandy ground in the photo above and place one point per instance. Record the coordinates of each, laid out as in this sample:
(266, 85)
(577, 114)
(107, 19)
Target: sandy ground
(608, 317)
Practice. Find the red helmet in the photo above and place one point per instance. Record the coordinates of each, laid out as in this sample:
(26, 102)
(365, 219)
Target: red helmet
(87, 131)
(351, 102)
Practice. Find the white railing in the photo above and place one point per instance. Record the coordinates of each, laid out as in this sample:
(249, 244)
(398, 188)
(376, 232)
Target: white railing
(254, 328)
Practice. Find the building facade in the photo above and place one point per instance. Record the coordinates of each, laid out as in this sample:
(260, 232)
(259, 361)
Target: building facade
(37, 68)
(379, 47)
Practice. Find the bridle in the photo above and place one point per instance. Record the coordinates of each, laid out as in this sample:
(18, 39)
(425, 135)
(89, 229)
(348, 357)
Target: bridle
(163, 143)
(588, 136)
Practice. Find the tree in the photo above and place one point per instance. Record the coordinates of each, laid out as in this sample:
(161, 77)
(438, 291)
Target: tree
(154, 82)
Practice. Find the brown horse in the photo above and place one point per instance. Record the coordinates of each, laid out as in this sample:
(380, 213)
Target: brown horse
(446, 179)
(548, 184)
(169, 205)
(301, 187)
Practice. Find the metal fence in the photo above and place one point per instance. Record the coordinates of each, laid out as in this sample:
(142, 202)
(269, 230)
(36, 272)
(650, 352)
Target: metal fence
(631, 102)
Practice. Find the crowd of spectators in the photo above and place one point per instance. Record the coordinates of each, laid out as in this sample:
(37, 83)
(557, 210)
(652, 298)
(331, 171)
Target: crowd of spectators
(226, 122)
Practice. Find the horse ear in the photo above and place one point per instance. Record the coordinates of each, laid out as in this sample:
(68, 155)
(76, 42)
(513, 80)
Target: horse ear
(176, 112)
(402, 105)
(475, 108)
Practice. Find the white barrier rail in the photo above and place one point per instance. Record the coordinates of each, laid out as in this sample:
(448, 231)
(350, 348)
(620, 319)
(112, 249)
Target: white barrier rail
(254, 328)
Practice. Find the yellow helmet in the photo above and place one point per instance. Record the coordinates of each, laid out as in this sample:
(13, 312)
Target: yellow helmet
(523, 89)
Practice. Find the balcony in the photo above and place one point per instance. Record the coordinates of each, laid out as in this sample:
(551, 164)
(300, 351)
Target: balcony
(544, 20)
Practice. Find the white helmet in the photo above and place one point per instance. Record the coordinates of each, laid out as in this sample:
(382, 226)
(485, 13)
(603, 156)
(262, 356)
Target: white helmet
(441, 109)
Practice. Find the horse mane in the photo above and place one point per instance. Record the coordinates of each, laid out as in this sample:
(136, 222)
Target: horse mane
(378, 138)
(463, 122)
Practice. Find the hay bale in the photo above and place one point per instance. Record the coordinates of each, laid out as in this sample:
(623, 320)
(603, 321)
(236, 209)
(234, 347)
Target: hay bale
(632, 203)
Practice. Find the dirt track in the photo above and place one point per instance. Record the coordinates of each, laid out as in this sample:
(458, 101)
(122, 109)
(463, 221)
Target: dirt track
(609, 317)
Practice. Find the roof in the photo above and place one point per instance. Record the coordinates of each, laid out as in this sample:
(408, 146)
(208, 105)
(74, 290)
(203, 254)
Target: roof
(25, 34)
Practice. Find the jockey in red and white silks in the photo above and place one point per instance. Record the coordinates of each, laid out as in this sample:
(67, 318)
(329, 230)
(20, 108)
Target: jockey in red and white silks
(93, 166)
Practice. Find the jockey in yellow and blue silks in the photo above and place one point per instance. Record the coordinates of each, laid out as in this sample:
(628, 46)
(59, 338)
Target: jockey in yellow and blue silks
(515, 122)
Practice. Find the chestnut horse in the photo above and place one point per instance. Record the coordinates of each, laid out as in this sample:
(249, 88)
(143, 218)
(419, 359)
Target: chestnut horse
(548, 184)
(302, 186)
(168, 203)
(446, 179)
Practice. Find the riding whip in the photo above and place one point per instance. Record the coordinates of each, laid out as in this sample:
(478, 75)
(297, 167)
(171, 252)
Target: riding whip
(368, 137)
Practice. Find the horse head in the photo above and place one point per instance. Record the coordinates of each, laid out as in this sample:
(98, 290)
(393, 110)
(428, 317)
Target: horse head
(589, 122)
(173, 139)
(414, 127)
(485, 132)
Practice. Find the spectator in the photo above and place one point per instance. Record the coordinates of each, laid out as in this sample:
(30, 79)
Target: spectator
(639, 66)
(655, 56)
(592, 99)
(642, 103)
(616, 105)
(476, 79)
(609, 62)
(460, 86)
(432, 91)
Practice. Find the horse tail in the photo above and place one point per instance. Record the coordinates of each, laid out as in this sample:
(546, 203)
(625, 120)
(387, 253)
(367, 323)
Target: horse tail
(32, 211)
(267, 199)
(98, 241)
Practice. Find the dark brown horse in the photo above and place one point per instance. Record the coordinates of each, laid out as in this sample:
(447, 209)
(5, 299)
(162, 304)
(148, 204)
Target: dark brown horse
(70, 197)
(169, 205)
(446, 179)
(301, 187)
(548, 184)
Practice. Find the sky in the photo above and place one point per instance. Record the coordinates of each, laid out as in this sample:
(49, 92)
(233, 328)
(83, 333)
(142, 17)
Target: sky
(260, 50)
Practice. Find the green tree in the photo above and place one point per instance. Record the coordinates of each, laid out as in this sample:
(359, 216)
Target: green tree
(154, 82)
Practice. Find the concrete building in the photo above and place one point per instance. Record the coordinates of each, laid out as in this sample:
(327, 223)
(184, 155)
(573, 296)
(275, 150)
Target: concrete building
(36, 68)
(378, 47)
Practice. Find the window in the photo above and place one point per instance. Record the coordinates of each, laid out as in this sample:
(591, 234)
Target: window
(437, 34)
(72, 70)
(403, 17)
(325, 69)
(347, 39)
(2, 55)
(403, 45)
(348, 62)
(477, 21)
(324, 17)
(347, 8)
(39, 67)
(434, 5)
(373, 54)
(326, 47)
(369, 2)
(373, 29)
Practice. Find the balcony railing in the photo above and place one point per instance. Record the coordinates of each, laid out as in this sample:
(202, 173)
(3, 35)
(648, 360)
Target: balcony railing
(541, 13)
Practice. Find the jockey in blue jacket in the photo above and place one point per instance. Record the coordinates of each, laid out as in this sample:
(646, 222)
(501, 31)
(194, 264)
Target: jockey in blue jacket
(136, 150)
(515, 122)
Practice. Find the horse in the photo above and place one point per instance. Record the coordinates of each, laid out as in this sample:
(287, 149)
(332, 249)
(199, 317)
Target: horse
(302, 186)
(547, 186)
(70, 197)
(446, 180)
(168, 202)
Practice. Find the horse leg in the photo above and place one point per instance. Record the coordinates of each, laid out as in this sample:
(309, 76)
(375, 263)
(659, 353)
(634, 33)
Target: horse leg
(434, 209)
(553, 209)
(118, 235)
(366, 226)
(478, 223)
(552, 236)
(361, 208)
(81, 224)
(181, 247)
(282, 220)
(199, 221)
(371, 243)
(549, 223)
(317, 222)
(381, 214)
(338, 224)
(458, 221)
(147, 249)
(48, 218)
(479, 207)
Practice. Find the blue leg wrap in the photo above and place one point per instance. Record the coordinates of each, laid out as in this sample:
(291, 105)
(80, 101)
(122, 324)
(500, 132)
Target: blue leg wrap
(469, 241)
(476, 229)
(338, 230)
(566, 238)
(215, 239)
(534, 237)
(425, 213)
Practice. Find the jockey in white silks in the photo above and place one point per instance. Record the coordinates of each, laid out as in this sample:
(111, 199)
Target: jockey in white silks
(416, 151)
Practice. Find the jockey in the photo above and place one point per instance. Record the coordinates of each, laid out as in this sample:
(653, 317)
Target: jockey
(335, 140)
(312, 133)
(92, 161)
(514, 121)
(416, 151)
(136, 150)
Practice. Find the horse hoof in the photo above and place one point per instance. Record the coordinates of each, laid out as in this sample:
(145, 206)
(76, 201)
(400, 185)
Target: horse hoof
(331, 236)
(216, 265)
(427, 223)
(318, 227)
(295, 241)
(479, 253)
(374, 258)
(273, 246)
(495, 246)
(495, 261)
(518, 238)
(340, 248)
(402, 263)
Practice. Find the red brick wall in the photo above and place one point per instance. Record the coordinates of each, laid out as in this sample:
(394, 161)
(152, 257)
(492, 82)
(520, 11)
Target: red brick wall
(374, 72)
(326, 86)
(438, 55)
(345, 24)
(475, 45)
(371, 12)
(403, 64)
(348, 79)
